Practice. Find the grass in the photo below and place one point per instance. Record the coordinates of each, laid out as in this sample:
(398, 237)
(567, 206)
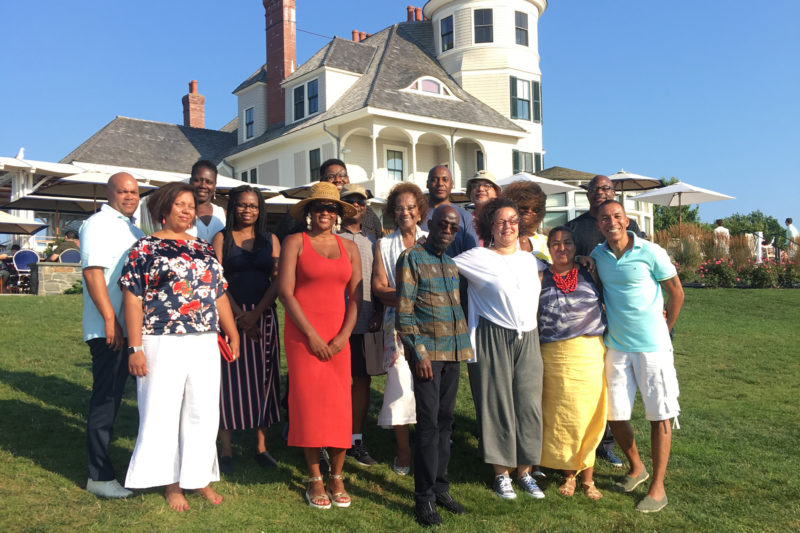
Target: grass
(734, 463)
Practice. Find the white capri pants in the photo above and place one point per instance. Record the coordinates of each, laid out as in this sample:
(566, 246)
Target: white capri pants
(178, 413)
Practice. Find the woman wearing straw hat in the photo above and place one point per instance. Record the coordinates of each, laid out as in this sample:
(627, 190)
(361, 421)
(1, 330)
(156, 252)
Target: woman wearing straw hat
(316, 268)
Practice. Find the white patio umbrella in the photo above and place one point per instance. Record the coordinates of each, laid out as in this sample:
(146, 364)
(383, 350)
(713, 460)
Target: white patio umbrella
(680, 193)
(628, 181)
(18, 226)
(548, 186)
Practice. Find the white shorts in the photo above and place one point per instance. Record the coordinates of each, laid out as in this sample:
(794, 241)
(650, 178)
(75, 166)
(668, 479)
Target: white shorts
(653, 373)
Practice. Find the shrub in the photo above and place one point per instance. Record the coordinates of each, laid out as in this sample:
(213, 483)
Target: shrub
(718, 273)
(77, 288)
(789, 274)
(761, 275)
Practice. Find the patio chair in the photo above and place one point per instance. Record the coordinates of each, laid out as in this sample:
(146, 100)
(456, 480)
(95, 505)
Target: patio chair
(23, 260)
(70, 256)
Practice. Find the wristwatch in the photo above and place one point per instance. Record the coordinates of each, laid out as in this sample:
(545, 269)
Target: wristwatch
(133, 349)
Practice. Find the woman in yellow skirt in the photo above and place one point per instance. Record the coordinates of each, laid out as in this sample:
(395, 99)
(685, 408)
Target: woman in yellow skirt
(571, 326)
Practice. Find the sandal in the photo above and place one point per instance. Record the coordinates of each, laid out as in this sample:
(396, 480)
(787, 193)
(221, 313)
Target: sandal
(320, 501)
(591, 491)
(568, 487)
(338, 499)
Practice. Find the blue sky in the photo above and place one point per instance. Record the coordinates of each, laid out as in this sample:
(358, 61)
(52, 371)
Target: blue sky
(705, 91)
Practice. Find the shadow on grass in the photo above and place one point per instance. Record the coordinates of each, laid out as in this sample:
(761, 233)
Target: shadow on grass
(54, 435)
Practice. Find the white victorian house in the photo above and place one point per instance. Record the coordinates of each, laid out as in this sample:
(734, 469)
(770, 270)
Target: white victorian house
(460, 86)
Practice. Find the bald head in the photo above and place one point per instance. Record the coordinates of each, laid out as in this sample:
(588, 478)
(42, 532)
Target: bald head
(440, 183)
(122, 192)
(599, 190)
(443, 227)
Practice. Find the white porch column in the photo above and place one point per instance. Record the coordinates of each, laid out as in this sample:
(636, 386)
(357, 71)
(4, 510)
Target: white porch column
(374, 138)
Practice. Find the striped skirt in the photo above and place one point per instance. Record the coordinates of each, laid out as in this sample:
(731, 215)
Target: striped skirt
(250, 393)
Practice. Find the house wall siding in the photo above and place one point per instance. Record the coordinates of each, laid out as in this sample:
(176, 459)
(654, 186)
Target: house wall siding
(254, 96)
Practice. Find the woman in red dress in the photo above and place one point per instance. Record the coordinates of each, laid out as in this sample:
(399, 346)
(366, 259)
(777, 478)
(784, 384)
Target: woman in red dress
(317, 268)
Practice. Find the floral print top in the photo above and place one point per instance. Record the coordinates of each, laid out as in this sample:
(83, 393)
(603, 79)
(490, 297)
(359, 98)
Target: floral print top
(178, 282)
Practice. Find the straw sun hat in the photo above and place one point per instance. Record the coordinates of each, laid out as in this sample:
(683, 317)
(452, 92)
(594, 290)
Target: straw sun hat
(322, 191)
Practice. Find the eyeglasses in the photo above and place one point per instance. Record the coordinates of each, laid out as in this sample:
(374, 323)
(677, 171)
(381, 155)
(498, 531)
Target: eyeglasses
(604, 188)
(403, 209)
(245, 207)
(483, 185)
(527, 209)
(504, 223)
(330, 177)
(329, 208)
(357, 200)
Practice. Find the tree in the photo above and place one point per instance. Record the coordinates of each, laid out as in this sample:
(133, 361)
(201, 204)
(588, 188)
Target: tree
(755, 221)
(664, 217)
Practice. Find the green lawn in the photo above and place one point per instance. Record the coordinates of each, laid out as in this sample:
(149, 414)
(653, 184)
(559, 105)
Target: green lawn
(734, 465)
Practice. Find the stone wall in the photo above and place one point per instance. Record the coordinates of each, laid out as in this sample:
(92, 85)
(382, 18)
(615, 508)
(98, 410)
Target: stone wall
(54, 278)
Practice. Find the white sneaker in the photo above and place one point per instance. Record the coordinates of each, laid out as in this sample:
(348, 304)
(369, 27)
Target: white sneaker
(107, 489)
(502, 487)
(528, 484)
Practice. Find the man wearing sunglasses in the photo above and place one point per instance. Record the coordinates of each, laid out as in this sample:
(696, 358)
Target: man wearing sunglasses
(584, 227)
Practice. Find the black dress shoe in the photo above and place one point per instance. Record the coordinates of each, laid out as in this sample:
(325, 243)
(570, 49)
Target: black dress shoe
(445, 501)
(226, 465)
(427, 515)
(265, 460)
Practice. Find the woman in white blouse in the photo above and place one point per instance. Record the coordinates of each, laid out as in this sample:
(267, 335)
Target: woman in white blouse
(503, 302)
(407, 205)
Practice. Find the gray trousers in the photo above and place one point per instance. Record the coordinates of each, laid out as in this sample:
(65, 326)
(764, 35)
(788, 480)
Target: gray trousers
(511, 395)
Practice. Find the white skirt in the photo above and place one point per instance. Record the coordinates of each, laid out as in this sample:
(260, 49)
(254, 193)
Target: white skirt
(399, 406)
(178, 413)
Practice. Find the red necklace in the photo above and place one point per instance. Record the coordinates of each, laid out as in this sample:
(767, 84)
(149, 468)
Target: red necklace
(568, 283)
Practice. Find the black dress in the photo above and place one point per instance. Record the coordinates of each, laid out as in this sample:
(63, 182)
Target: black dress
(251, 386)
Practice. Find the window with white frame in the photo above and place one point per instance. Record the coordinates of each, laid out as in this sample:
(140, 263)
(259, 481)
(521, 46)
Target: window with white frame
(305, 99)
(479, 163)
(394, 164)
(483, 26)
(446, 28)
(249, 176)
(249, 122)
(520, 99)
(430, 87)
(521, 27)
(522, 161)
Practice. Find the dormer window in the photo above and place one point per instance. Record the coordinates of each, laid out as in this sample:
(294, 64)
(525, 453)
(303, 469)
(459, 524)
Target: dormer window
(305, 99)
(430, 86)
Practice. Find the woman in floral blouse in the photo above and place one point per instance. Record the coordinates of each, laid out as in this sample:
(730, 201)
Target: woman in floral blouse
(173, 300)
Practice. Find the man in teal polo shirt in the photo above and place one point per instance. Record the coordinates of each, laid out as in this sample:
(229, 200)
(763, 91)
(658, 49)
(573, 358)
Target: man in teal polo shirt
(635, 274)
(105, 240)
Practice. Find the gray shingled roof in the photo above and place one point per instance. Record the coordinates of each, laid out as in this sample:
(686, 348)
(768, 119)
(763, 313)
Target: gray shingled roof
(145, 144)
(565, 174)
(402, 53)
(259, 75)
(339, 53)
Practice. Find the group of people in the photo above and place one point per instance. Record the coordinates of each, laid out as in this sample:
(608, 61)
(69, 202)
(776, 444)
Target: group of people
(556, 344)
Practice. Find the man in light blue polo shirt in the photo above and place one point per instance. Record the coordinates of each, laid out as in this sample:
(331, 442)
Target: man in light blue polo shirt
(105, 240)
(635, 274)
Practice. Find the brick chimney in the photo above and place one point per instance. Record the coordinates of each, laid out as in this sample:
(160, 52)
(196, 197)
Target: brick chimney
(409, 13)
(281, 54)
(194, 108)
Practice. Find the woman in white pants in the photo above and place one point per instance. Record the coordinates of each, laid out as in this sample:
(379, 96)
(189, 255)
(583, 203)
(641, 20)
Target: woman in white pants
(408, 205)
(173, 300)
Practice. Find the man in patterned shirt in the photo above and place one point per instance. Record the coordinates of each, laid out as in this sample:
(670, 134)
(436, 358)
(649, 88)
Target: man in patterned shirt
(432, 328)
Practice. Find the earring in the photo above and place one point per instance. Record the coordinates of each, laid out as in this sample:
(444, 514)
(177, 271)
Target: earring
(491, 241)
(338, 225)
(308, 222)
(163, 220)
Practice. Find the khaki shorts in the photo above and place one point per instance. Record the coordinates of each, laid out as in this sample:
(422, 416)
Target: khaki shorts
(653, 373)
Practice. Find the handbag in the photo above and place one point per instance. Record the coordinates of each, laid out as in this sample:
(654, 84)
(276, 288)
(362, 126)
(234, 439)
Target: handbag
(373, 353)
(224, 349)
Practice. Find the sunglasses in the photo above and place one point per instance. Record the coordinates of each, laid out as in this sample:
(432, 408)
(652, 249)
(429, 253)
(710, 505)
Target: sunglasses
(329, 208)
